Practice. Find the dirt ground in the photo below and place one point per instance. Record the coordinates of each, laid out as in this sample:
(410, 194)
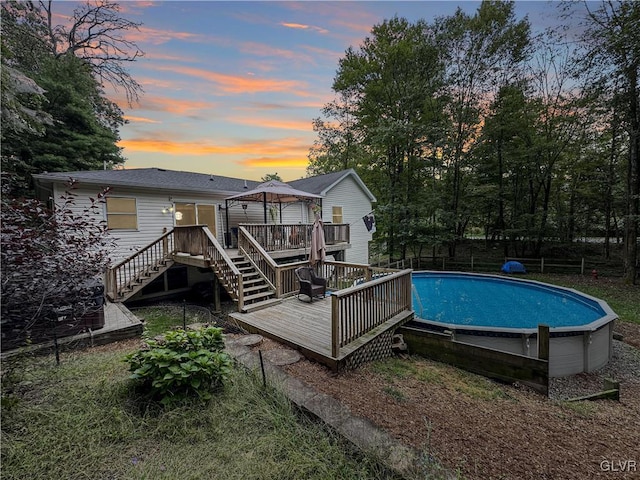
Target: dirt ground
(486, 430)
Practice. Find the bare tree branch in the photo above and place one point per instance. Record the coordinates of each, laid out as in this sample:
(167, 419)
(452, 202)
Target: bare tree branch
(98, 36)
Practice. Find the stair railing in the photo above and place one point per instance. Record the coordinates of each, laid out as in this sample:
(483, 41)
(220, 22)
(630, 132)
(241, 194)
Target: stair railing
(126, 273)
(260, 259)
(223, 266)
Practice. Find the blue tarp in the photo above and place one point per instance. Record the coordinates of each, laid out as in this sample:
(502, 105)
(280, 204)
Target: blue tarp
(513, 267)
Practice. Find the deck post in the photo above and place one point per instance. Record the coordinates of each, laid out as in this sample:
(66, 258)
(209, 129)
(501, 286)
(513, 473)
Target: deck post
(165, 245)
(335, 326)
(216, 294)
(543, 342)
(240, 293)
(278, 284)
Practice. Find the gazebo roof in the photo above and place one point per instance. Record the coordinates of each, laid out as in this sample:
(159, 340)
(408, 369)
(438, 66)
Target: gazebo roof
(273, 191)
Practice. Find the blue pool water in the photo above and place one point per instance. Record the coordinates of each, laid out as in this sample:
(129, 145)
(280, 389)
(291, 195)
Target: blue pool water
(491, 301)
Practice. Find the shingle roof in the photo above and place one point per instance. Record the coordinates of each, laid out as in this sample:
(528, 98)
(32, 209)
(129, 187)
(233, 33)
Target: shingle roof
(321, 183)
(155, 178)
(159, 178)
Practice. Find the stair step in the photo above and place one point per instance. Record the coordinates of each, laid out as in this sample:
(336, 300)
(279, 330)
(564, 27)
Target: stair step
(251, 281)
(255, 288)
(260, 305)
(249, 298)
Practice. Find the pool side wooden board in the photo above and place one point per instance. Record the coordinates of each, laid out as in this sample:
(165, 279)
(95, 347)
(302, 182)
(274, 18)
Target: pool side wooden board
(496, 364)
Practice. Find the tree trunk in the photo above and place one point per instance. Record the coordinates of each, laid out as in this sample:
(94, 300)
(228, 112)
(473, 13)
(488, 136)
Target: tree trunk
(633, 182)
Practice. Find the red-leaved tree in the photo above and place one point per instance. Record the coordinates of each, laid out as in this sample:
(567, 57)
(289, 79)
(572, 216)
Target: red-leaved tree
(52, 263)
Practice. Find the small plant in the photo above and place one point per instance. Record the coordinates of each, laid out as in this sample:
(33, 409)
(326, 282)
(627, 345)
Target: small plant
(394, 393)
(182, 365)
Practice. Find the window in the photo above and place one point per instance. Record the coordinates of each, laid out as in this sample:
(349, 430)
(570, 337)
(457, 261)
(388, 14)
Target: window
(207, 216)
(336, 215)
(185, 214)
(200, 214)
(122, 213)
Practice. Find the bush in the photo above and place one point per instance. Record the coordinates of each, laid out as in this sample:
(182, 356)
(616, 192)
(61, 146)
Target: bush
(184, 364)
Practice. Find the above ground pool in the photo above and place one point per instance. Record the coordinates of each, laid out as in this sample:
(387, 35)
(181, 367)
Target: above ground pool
(504, 313)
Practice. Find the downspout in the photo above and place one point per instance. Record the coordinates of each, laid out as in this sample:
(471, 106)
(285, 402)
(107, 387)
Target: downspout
(226, 212)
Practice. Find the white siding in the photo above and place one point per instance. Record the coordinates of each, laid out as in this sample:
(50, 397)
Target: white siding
(355, 204)
(151, 221)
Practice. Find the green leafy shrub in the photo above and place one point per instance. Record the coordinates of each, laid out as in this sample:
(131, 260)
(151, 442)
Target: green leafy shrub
(182, 365)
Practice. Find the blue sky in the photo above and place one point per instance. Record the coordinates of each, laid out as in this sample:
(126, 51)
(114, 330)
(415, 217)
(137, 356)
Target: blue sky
(231, 88)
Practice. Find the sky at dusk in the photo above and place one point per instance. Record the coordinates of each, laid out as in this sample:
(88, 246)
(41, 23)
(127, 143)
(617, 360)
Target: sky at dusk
(231, 88)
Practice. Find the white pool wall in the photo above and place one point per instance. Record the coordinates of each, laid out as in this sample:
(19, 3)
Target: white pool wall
(572, 350)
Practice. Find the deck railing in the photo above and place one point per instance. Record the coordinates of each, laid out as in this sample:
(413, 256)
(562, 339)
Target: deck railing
(339, 275)
(295, 236)
(124, 274)
(364, 297)
(224, 267)
(359, 309)
(198, 240)
(195, 240)
(249, 246)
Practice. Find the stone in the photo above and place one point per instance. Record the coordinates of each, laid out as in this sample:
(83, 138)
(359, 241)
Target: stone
(281, 356)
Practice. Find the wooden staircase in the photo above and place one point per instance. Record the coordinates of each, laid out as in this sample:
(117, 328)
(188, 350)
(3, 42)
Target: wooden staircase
(131, 275)
(257, 291)
(142, 279)
(238, 275)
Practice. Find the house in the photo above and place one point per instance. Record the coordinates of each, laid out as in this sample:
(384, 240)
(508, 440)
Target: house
(174, 230)
(143, 204)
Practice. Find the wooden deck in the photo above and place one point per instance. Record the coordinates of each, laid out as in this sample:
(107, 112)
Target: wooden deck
(307, 328)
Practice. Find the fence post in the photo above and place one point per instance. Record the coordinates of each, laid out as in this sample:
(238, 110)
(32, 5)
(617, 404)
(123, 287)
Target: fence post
(542, 265)
(582, 267)
(443, 264)
(472, 263)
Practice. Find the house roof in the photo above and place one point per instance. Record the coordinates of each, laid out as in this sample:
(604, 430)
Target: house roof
(156, 178)
(159, 178)
(321, 184)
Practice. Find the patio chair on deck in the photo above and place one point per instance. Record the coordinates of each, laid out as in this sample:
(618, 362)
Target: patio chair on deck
(310, 284)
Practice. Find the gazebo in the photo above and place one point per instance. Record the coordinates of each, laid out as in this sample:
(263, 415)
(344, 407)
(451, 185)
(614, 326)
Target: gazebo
(272, 192)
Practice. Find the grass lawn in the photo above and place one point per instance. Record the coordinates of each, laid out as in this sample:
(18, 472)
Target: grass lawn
(80, 420)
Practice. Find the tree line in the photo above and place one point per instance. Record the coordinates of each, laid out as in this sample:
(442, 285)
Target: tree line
(474, 125)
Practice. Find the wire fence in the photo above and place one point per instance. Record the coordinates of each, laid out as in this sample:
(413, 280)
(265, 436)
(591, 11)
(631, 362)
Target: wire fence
(579, 266)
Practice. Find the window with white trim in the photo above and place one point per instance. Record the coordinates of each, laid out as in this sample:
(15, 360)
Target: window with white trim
(196, 214)
(122, 213)
(336, 215)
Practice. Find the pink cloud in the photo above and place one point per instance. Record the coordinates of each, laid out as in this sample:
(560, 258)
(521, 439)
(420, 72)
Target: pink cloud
(264, 50)
(162, 143)
(299, 125)
(301, 26)
(234, 84)
(174, 106)
(131, 118)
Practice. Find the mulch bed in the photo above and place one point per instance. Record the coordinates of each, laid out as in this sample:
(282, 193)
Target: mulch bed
(512, 433)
